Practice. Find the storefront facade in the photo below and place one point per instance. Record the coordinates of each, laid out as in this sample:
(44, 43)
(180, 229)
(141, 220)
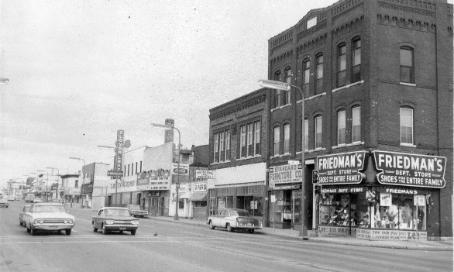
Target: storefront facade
(378, 195)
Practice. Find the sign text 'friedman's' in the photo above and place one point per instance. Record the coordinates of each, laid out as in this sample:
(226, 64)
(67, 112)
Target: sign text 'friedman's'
(342, 168)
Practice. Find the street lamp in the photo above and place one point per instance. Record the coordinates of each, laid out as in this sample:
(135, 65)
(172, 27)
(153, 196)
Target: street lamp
(58, 177)
(278, 85)
(177, 186)
(83, 176)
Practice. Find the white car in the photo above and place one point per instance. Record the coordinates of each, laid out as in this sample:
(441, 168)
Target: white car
(232, 219)
(48, 217)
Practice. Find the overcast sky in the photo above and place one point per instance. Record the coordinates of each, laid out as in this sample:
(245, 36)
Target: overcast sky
(81, 69)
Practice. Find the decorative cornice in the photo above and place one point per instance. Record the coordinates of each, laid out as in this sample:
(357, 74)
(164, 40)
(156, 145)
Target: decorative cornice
(281, 39)
(238, 107)
(347, 27)
(281, 57)
(344, 6)
(315, 42)
(413, 6)
(385, 19)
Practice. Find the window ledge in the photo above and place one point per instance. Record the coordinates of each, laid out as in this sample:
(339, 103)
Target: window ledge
(280, 156)
(312, 97)
(408, 84)
(312, 150)
(348, 86)
(408, 145)
(248, 157)
(281, 107)
(347, 145)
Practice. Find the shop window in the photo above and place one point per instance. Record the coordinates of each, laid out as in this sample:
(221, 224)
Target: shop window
(341, 65)
(276, 140)
(285, 211)
(319, 73)
(341, 124)
(181, 204)
(356, 124)
(318, 131)
(340, 210)
(286, 138)
(406, 125)
(306, 78)
(406, 65)
(356, 60)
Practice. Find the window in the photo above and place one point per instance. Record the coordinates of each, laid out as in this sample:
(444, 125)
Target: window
(227, 145)
(341, 65)
(406, 125)
(341, 120)
(243, 141)
(277, 93)
(306, 77)
(276, 140)
(406, 65)
(128, 169)
(216, 147)
(286, 138)
(137, 167)
(221, 147)
(311, 22)
(76, 184)
(318, 131)
(250, 143)
(356, 60)
(288, 79)
(140, 167)
(306, 134)
(180, 204)
(257, 138)
(356, 124)
(319, 74)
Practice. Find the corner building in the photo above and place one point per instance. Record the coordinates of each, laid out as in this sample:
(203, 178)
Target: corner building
(377, 84)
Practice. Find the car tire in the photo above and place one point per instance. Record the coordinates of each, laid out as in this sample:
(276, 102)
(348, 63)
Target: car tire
(104, 230)
(211, 225)
(251, 231)
(95, 229)
(68, 231)
(28, 230)
(133, 232)
(32, 231)
(229, 228)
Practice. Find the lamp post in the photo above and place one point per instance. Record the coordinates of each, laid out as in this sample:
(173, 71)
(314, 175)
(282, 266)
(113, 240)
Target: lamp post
(83, 175)
(58, 176)
(278, 85)
(177, 186)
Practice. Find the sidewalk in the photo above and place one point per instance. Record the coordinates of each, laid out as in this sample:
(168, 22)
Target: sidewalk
(293, 234)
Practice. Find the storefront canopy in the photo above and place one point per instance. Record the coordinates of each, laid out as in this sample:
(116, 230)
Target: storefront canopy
(199, 196)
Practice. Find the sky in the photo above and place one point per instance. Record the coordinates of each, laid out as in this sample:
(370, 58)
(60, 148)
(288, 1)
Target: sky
(79, 70)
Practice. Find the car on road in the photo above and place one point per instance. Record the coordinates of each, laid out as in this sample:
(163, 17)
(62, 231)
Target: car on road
(136, 211)
(234, 219)
(114, 219)
(29, 198)
(3, 201)
(48, 216)
(23, 214)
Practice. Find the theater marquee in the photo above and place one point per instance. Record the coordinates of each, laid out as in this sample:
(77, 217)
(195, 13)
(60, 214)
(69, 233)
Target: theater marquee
(410, 169)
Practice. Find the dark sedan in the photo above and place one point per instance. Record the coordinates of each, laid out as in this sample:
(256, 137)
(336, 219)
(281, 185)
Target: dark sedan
(110, 219)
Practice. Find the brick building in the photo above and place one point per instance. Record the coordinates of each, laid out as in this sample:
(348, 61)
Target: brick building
(377, 80)
(238, 154)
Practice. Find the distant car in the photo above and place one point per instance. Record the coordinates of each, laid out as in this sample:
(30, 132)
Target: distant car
(232, 219)
(4, 202)
(23, 214)
(136, 211)
(37, 200)
(114, 219)
(29, 198)
(47, 216)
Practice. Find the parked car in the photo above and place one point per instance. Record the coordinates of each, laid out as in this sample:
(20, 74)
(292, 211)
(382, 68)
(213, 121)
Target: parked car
(3, 201)
(48, 216)
(136, 211)
(114, 219)
(29, 198)
(232, 219)
(23, 214)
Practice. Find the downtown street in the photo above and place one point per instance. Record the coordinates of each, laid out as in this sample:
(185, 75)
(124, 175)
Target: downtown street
(162, 245)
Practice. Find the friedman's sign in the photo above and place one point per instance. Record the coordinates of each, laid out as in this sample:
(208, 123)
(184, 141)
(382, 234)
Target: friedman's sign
(410, 169)
(341, 168)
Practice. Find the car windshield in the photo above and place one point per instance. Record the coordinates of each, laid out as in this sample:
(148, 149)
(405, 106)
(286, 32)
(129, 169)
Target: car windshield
(48, 208)
(117, 212)
(134, 207)
(240, 212)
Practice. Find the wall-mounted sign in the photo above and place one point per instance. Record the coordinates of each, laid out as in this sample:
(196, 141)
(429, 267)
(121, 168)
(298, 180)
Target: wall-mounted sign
(341, 168)
(419, 200)
(158, 179)
(282, 174)
(202, 174)
(183, 170)
(342, 190)
(118, 159)
(199, 187)
(385, 199)
(410, 169)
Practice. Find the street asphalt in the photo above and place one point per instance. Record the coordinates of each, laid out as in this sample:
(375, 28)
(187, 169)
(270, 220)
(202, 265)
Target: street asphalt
(162, 245)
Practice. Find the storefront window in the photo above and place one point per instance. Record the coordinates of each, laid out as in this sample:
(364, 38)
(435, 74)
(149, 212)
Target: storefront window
(285, 210)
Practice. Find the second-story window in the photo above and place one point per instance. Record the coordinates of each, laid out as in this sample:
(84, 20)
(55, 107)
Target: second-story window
(243, 141)
(318, 131)
(76, 184)
(288, 79)
(221, 147)
(276, 140)
(356, 60)
(250, 137)
(406, 65)
(319, 73)
(306, 78)
(216, 147)
(227, 145)
(341, 65)
(257, 138)
(140, 167)
(306, 134)
(277, 93)
(356, 124)
(286, 139)
(341, 124)
(406, 125)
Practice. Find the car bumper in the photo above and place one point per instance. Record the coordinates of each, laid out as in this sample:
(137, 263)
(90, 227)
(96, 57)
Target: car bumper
(120, 227)
(248, 227)
(52, 226)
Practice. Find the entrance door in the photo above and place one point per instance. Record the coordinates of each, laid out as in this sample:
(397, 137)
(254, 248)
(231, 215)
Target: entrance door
(153, 208)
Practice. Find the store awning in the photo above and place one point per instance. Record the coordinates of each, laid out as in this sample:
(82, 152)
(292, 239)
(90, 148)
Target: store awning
(199, 196)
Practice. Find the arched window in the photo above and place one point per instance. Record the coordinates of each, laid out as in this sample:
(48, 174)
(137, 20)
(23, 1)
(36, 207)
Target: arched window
(341, 65)
(341, 127)
(356, 60)
(407, 73)
(319, 73)
(406, 125)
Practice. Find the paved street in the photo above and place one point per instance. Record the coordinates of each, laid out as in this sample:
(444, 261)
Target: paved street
(166, 246)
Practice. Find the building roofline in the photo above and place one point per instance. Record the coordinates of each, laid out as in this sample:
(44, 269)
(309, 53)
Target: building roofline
(250, 94)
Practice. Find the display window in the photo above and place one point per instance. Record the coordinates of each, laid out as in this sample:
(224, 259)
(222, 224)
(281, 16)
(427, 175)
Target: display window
(343, 210)
(285, 208)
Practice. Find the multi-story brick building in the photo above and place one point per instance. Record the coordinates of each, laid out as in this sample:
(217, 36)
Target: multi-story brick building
(377, 82)
(238, 154)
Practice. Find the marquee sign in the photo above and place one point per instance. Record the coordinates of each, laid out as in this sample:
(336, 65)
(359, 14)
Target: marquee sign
(410, 169)
(341, 168)
(158, 179)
